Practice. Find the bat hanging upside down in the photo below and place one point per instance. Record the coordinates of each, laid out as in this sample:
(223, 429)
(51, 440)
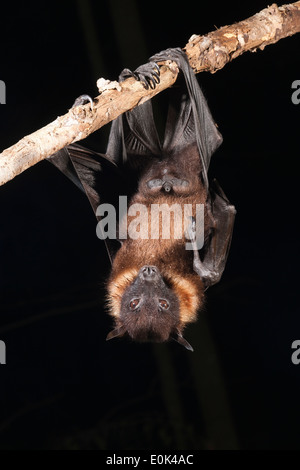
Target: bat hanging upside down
(173, 241)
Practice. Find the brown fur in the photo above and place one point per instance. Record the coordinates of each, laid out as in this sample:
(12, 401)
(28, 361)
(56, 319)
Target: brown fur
(171, 258)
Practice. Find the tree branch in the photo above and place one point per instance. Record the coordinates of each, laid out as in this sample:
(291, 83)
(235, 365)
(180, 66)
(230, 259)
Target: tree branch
(213, 51)
(205, 53)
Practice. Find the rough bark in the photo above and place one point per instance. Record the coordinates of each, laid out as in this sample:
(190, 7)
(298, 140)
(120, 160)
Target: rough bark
(214, 50)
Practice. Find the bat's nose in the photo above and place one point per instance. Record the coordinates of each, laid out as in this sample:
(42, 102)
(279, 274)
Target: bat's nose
(149, 272)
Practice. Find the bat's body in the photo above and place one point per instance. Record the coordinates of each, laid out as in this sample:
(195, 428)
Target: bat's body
(156, 285)
(166, 255)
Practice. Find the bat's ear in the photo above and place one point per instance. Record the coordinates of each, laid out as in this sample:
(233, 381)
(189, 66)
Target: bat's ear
(116, 333)
(181, 340)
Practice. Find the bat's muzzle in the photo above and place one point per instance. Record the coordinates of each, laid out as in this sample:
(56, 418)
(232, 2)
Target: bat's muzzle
(149, 273)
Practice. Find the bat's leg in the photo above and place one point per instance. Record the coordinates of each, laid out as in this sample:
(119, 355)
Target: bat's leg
(148, 74)
(83, 99)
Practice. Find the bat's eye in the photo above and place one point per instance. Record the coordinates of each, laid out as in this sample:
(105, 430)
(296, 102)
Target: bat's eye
(134, 304)
(164, 304)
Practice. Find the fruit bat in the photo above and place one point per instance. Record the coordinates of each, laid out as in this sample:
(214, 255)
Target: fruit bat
(156, 284)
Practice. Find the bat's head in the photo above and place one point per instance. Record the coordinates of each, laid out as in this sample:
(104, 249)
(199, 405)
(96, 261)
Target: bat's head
(149, 308)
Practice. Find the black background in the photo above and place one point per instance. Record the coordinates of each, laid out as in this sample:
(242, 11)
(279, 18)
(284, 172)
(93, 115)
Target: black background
(63, 385)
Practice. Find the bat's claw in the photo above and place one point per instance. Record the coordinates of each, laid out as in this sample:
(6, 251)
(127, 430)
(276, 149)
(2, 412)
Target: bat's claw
(207, 275)
(83, 99)
(148, 74)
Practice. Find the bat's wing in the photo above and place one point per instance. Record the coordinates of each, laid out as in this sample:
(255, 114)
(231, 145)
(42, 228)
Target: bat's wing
(189, 119)
(95, 175)
(222, 216)
(134, 136)
(215, 251)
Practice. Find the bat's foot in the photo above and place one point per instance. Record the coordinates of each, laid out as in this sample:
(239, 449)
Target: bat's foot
(148, 74)
(83, 99)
